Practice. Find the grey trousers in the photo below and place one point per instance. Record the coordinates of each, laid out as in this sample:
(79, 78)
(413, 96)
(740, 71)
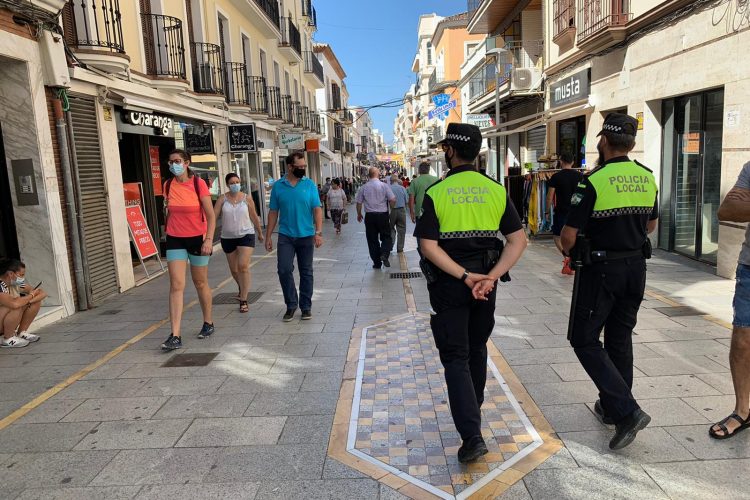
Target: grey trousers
(398, 225)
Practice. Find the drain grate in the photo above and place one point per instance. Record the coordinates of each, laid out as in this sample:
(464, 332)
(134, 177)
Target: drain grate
(110, 312)
(231, 298)
(679, 311)
(405, 276)
(190, 359)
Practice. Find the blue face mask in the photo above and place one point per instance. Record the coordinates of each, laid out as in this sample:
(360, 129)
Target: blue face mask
(235, 188)
(177, 168)
(20, 281)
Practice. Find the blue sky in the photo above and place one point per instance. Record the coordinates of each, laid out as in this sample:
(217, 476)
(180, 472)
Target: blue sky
(376, 41)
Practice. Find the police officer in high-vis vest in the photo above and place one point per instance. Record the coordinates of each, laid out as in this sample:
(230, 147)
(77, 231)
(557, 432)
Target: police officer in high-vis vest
(463, 260)
(612, 211)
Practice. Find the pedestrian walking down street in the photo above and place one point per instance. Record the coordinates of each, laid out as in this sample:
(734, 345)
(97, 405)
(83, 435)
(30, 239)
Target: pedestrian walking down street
(560, 189)
(398, 214)
(239, 225)
(336, 201)
(376, 196)
(190, 232)
(464, 258)
(418, 188)
(295, 205)
(736, 208)
(324, 197)
(614, 208)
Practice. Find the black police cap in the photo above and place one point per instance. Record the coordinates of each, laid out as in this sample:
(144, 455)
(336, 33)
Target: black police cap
(466, 139)
(619, 123)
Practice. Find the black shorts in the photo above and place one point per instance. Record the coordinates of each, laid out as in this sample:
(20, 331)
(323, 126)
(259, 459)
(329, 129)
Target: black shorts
(559, 222)
(192, 244)
(229, 245)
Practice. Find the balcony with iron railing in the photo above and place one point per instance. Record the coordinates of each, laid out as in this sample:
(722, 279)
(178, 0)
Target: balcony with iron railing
(275, 106)
(602, 23)
(266, 11)
(93, 30)
(257, 93)
(308, 11)
(291, 41)
(287, 112)
(313, 66)
(304, 113)
(515, 55)
(437, 79)
(564, 22)
(235, 75)
(338, 144)
(317, 122)
(165, 51)
(350, 148)
(208, 74)
(297, 120)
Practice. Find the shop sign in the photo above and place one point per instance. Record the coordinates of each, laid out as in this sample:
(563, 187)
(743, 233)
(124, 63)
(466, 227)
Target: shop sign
(199, 140)
(443, 106)
(292, 141)
(133, 196)
(691, 143)
(639, 117)
(155, 165)
(312, 146)
(142, 239)
(242, 138)
(572, 89)
(161, 124)
(483, 120)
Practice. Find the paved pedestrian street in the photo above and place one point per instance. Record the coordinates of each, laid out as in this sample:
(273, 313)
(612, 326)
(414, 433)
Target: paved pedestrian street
(352, 404)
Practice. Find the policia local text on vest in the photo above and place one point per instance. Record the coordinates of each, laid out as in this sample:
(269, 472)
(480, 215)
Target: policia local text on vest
(612, 211)
(463, 260)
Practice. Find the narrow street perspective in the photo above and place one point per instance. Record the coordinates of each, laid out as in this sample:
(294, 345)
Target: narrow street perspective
(309, 249)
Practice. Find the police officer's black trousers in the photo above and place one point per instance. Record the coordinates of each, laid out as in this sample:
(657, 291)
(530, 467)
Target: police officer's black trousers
(609, 298)
(378, 232)
(461, 328)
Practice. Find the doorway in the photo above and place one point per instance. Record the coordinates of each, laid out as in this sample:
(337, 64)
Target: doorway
(8, 236)
(571, 139)
(691, 180)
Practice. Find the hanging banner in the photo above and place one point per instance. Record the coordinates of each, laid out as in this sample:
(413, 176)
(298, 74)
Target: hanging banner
(242, 138)
(312, 146)
(141, 235)
(133, 194)
(153, 153)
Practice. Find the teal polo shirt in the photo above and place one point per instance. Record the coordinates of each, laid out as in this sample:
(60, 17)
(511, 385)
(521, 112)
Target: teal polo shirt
(295, 205)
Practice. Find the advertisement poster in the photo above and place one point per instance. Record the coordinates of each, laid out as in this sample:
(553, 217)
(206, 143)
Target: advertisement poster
(142, 239)
(153, 153)
(133, 194)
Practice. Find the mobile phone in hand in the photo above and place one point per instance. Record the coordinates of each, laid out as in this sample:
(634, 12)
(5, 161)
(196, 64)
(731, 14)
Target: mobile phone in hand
(38, 285)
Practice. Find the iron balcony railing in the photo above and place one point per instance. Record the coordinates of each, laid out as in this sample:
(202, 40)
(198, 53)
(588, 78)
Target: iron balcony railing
(208, 74)
(312, 65)
(483, 82)
(349, 147)
(271, 9)
(335, 97)
(297, 114)
(235, 75)
(564, 15)
(95, 24)
(163, 43)
(316, 122)
(287, 113)
(258, 94)
(308, 11)
(516, 54)
(595, 16)
(304, 112)
(275, 108)
(337, 144)
(436, 78)
(290, 36)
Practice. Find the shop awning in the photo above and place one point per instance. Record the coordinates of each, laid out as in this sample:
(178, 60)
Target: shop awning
(141, 103)
(568, 113)
(498, 130)
(522, 128)
(327, 152)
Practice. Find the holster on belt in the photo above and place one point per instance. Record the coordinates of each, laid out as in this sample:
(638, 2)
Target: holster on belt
(491, 258)
(430, 271)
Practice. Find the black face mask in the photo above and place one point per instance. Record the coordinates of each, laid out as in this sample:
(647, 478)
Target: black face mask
(600, 160)
(299, 172)
(447, 161)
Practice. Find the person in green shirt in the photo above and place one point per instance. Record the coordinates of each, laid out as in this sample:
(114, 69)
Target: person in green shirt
(418, 188)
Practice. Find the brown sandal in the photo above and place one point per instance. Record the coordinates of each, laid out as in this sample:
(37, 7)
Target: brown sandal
(243, 306)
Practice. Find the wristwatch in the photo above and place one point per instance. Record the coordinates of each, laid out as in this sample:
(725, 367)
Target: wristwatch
(318, 233)
(465, 275)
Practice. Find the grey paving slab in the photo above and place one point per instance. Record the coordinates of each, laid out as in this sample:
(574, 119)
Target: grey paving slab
(107, 372)
(126, 435)
(280, 462)
(322, 381)
(52, 410)
(181, 386)
(26, 438)
(670, 411)
(98, 410)
(670, 387)
(702, 480)
(284, 382)
(205, 406)
(239, 431)
(319, 338)
(85, 389)
(689, 348)
(301, 403)
(282, 351)
(517, 491)
(387, 493)
(722, 382)
(307, 429)
(334, 469)
(300, 365)
(15, 391)
(343, 489)
(236, 367)
(536, 374)
(674, 365)
(110, 493)
(563, 392)
(42, 470)
(539, 356)
(560, 460)
(232, 491)
(696, 439)
(571, 417)
(171, 466)
(155, 370)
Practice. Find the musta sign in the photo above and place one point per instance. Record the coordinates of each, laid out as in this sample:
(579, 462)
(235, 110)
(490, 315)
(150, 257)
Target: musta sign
(571, 89)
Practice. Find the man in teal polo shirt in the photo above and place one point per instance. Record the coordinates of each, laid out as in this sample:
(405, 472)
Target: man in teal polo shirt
(295, 205)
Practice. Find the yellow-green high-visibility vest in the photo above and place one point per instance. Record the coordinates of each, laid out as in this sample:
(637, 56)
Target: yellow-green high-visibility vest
(623, 188)
(468, 204)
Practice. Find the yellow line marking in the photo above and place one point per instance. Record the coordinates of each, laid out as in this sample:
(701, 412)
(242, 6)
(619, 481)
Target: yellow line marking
(5, 422)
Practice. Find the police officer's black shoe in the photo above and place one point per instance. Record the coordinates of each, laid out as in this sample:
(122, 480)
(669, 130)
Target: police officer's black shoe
(472, 449)
(599, 412)
(627, 429)
(386, 262)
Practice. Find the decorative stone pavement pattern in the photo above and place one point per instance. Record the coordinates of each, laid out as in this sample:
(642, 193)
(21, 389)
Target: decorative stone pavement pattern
(404, 419)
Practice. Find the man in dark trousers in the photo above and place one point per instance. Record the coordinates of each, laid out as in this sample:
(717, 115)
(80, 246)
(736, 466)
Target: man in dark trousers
(376, 196)
(614, 207)
(458, 234)
(560, 188)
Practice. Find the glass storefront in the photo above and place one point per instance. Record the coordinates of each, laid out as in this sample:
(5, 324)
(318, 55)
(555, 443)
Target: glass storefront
(571, 138)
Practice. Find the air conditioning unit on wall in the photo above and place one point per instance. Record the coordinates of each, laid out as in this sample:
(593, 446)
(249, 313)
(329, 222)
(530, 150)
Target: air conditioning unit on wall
(525, 79)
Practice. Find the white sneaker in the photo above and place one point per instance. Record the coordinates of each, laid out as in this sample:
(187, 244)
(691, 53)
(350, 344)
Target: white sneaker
(14, 341)
(29, 336)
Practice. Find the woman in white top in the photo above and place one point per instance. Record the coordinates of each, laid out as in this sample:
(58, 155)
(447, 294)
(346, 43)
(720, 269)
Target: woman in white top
(336, 201)
(237, 211)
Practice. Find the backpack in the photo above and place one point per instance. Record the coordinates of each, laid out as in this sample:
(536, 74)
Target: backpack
(195, 186)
